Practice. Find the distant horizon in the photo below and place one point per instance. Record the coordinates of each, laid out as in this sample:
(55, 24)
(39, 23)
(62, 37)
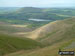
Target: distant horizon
(37, 7)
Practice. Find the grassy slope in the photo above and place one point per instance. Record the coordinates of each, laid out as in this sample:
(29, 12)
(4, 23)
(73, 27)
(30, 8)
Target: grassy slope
(62, 38)
(15, 28)
(63, 30)
(48, 51)
(51, 30)
(10, 44)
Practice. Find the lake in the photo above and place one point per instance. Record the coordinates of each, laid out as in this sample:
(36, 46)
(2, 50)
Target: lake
(38, 20)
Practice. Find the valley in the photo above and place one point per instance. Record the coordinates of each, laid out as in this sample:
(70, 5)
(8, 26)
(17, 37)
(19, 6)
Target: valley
(54, 39)
(31, 31)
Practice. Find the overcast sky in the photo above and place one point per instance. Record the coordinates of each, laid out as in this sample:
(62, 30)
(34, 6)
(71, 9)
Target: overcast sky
(37, 3)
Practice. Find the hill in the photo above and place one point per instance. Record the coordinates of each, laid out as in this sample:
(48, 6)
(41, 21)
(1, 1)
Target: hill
(14, 28)
(9, 44)
(56, 35)
(30, 10)
(61, 30)
(39, 13)
(55, 31)
(4, 10)
(36, 17)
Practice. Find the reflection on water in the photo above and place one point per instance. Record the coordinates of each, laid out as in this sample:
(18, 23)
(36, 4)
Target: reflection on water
(38, 20)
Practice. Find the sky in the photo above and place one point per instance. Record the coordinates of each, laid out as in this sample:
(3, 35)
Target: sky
(37, 3)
